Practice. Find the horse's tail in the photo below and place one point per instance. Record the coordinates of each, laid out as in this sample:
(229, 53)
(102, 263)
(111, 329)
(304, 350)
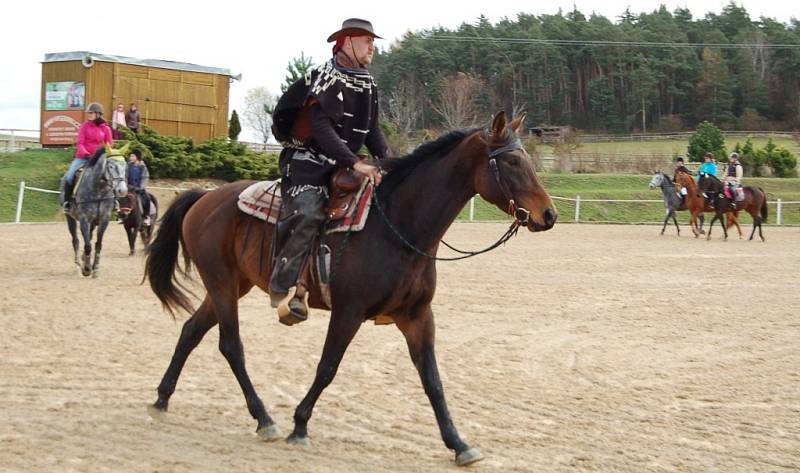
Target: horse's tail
(162, 254)
(764, 208)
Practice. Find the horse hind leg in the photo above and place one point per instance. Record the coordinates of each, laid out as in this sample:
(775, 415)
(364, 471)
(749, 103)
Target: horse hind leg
(192, 333)
(230, 345)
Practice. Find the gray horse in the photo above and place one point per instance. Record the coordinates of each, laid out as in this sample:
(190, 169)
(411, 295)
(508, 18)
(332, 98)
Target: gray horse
(672, 202)
(102, 182)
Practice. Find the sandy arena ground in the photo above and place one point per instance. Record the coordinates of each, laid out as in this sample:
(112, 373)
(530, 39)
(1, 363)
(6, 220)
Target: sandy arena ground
(597, 348)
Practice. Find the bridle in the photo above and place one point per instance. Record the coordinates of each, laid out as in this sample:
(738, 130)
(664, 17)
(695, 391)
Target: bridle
(521, 214)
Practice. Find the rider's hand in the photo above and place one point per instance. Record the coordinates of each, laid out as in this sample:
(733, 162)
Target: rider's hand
(371, 172)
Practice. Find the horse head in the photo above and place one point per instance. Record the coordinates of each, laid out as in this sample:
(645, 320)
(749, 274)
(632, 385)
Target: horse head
(657, 180)
(510, 181)
(114, 174)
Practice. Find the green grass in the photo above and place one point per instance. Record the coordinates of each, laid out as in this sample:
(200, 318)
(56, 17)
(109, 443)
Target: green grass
(42, 168)
(38, 168)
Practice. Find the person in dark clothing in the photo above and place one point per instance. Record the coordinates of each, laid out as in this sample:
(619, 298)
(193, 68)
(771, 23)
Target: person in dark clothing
(339, 115)
(681, 167)
(138, 177)
(132, 118)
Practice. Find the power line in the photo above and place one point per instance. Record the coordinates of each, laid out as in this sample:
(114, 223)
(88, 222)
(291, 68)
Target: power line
(636, 44)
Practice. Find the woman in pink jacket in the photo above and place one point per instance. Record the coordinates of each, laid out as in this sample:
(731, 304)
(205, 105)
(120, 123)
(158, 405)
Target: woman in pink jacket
(93, 134)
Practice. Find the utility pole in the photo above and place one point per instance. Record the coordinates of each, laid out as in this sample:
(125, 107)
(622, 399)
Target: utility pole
(644, 126)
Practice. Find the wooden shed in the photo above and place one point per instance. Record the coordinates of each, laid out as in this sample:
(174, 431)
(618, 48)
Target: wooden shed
(174, 98)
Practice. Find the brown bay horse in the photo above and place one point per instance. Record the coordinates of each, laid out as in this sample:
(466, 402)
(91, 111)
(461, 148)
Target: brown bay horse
(696, 203)
(754, 203)
(386, 268)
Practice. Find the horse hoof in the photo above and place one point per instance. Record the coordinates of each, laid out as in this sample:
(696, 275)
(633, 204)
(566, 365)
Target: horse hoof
(95, 274)
(86, 273)
(156, 413)
(301, 441)
(468, 457)
(270, 433)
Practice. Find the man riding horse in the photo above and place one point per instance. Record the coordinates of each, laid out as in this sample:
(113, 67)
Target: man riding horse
(322, 121)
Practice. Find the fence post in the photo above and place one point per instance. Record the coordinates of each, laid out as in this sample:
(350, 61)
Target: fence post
(19, 200)
(472, 209)
(779, 211)
(577, 209)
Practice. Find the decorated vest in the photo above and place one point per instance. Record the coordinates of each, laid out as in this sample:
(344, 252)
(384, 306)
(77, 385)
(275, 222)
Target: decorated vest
(348, 96)
(731, 170)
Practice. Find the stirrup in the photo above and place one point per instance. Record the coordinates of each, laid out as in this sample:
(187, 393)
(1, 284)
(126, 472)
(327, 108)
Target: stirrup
(293, 309)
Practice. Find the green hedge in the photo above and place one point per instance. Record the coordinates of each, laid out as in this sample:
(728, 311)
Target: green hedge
(218, 158)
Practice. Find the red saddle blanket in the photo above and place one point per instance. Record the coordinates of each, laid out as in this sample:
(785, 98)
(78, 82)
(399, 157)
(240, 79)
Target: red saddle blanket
(263, 200)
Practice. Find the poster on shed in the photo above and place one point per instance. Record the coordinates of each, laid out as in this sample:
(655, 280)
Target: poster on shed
(60, 128)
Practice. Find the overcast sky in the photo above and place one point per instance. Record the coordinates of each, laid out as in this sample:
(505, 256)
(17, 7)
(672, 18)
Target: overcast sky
(255, 41)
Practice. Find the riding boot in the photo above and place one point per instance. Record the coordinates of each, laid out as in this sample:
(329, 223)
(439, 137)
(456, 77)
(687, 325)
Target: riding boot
(303, 221)
(65, 194)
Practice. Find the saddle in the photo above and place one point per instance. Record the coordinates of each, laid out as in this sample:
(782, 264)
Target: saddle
(347, 207)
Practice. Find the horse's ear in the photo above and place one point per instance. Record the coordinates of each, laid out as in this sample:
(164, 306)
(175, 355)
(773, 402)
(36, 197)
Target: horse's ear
(499, 124)
(517, 123)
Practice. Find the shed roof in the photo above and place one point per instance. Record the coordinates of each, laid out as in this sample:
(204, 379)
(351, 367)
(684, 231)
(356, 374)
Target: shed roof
(160, 63)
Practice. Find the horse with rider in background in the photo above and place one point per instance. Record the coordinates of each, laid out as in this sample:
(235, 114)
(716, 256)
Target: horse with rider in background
(697, 204)
(387, 268)
(752, 200)
(102, 182)
(133, 220)
(672, 199)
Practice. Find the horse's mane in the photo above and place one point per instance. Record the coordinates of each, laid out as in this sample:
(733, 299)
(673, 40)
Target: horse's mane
(399, 168)
(97, 154)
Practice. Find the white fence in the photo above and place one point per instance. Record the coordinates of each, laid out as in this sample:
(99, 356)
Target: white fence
(23, 188)
(16, 139)
(779, 204)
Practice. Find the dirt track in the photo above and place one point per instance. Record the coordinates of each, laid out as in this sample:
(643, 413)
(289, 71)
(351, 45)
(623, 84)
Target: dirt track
(603, 348)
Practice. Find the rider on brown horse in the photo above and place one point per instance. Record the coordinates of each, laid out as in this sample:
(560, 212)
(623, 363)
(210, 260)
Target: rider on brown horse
(681, 167)
(322, 121)
(733, 178)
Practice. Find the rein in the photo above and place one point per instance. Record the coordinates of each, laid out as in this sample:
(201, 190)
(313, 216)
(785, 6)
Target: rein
(512, 230)
(521, 215)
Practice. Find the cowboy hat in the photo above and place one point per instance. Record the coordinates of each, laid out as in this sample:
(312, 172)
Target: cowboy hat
(354, 27)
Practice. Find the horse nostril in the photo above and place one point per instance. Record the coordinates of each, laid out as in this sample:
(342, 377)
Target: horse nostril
(549, 217)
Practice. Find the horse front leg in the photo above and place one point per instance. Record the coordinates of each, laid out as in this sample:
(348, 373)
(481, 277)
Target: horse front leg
(86, 232)
(130, 230)
(711, 225)
(693, 224)
(675, 221)
(341, 330)
(72, 225)
(420, 334)
(98, 247)
(733, 219)
(666, 220)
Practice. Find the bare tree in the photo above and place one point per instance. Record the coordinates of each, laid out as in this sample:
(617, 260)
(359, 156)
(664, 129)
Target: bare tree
(456, 103)
(406, 102)
(258, 106)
